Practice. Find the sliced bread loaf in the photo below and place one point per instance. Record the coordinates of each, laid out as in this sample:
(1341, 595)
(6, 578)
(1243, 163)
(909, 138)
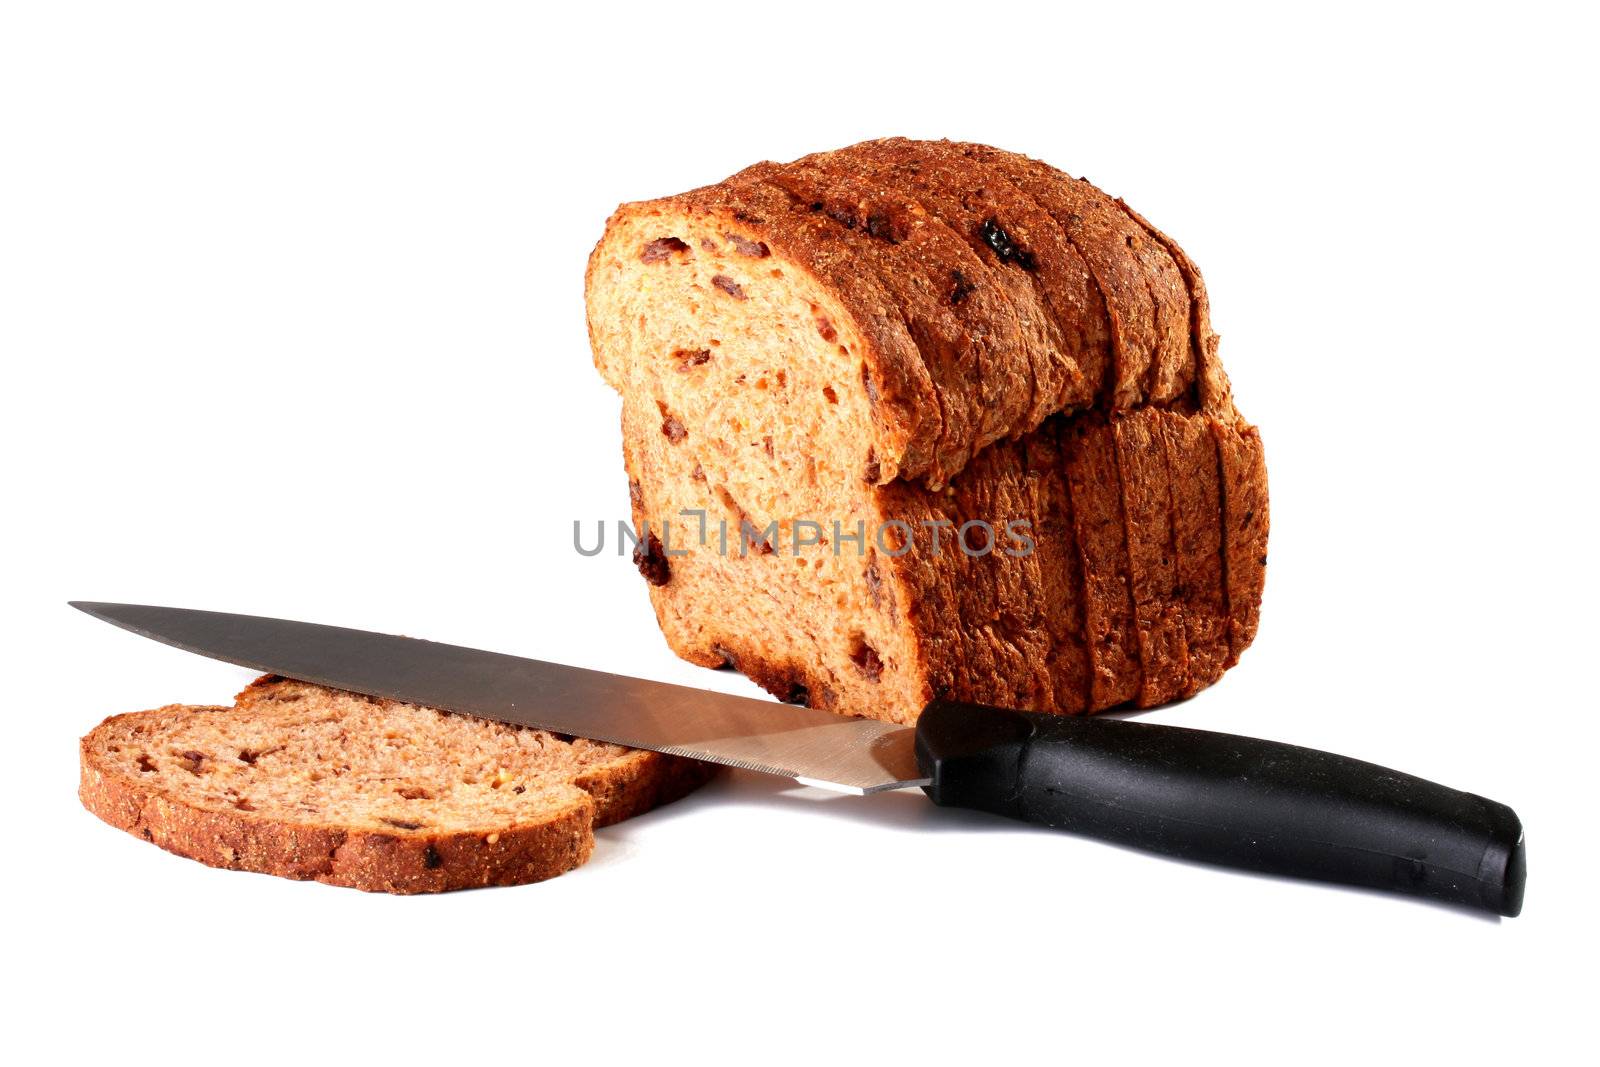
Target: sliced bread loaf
(305, 782)
(884, 360)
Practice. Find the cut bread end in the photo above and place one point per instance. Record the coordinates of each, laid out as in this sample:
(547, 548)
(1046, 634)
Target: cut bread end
(754, 422)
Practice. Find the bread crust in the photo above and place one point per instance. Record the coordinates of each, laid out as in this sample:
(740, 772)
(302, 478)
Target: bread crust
(1245, 518)
(1158, 600)
(1172, 365)
(1215, 395)
(980, 638)
(1110, 628)
(401, 862)
(1060, 593)
(1194, 478)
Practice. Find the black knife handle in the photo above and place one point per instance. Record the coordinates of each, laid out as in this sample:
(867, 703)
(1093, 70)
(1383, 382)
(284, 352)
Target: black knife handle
(1220, 798)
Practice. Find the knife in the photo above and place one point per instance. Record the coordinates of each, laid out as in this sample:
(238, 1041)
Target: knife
(1213, 797)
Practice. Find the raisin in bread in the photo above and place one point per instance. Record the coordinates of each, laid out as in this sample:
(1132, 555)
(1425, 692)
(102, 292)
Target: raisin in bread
(312, 783)
(910, 340)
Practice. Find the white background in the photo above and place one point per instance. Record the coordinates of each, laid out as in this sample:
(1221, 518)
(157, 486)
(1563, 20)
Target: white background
(292, 324)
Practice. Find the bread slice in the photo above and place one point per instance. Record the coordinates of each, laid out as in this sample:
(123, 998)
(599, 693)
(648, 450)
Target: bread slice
(311, 783)
(970, 336)
(1059, 596)
(1158, 599)
(1194, 480)
(1211, 381)
(1106, 238)
(1100, 524)
(1244, 500)
(1028, 256)
(826, 350)
(982, 274)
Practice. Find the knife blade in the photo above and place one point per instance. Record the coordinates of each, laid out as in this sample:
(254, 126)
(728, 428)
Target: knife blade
(1213, 797)
(846, 755)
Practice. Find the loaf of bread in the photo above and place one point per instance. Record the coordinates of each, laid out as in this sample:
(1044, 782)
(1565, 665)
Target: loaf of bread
(312, 783)
(914, 419)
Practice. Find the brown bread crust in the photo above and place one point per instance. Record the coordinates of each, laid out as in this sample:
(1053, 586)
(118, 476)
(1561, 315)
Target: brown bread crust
(1215, 395)
(1068, 628)
(1110, 628)
(991, 645)
(1194, 477)
(324, 850)
(1158, 598)
(1059, 597)
(1245, 517)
